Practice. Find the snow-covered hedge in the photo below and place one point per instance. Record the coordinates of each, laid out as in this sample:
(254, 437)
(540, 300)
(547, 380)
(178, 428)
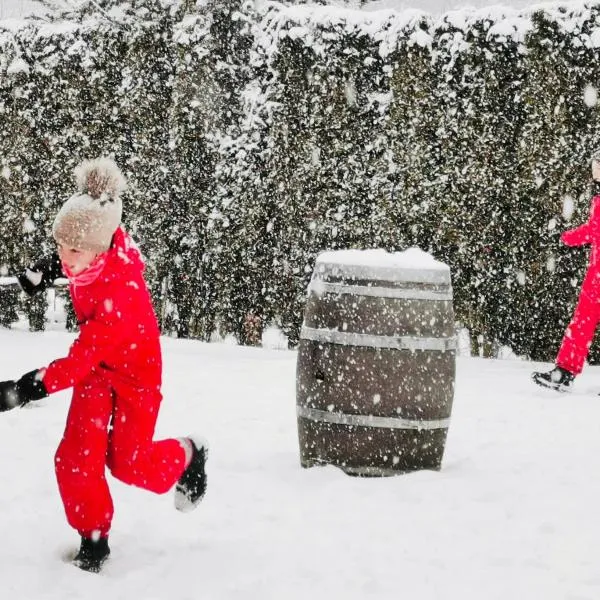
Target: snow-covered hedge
(257, 135)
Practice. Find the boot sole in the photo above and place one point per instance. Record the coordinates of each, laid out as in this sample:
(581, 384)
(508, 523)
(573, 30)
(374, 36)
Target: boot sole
(69, 558)
(96, 568)
(181, 501)
(557, 387)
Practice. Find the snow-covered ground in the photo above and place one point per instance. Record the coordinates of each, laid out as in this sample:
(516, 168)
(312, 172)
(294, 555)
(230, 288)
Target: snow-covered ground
(514, 513)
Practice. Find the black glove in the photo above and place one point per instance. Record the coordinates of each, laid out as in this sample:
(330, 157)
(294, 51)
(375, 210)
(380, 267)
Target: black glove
(40, 275)
(18, 393)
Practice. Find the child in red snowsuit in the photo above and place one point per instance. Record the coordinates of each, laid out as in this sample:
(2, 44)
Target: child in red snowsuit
(114, 367)
(580, 332)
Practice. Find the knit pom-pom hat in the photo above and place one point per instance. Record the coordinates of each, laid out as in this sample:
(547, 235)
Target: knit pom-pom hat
(89, 218)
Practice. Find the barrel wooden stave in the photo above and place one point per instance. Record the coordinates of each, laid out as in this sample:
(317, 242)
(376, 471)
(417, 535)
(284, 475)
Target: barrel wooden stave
(380, 316)
(375, 381)
(368, 451)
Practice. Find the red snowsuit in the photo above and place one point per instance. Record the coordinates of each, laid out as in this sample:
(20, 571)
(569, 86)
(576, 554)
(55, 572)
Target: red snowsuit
(580, 332)
(115, 369)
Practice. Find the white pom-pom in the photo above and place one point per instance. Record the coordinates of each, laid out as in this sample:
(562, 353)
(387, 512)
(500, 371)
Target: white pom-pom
(100, 177)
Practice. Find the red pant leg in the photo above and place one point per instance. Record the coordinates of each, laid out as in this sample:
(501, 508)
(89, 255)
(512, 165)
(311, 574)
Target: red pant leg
(580, 332)
(133, 457)
(81, 458)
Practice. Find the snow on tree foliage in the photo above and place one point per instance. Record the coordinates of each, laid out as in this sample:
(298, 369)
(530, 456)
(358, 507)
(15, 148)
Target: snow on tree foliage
(257, 135)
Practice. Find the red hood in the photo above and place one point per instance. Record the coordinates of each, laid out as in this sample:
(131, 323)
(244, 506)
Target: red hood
(124, 253)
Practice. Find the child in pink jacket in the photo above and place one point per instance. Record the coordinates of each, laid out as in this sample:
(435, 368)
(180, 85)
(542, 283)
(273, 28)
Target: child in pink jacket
(114, 367)
(580, 332)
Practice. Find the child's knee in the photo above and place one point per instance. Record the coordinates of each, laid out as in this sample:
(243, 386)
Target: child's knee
(65, 456)
(59, 459)
(136, 468)
(123, 465)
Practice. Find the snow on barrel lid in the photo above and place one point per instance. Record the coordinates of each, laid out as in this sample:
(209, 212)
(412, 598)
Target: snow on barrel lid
(411, 265)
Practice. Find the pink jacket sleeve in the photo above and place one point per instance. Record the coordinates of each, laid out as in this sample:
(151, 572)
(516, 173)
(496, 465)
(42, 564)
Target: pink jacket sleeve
(588, 233)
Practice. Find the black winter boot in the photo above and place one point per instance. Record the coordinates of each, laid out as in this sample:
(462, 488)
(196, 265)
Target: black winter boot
(558, 379)
(92, 554)
(191, 487)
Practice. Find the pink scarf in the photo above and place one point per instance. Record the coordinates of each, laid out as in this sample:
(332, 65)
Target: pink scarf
(88, 275)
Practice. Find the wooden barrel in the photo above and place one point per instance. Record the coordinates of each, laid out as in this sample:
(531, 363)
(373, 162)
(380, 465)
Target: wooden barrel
(376, 362)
